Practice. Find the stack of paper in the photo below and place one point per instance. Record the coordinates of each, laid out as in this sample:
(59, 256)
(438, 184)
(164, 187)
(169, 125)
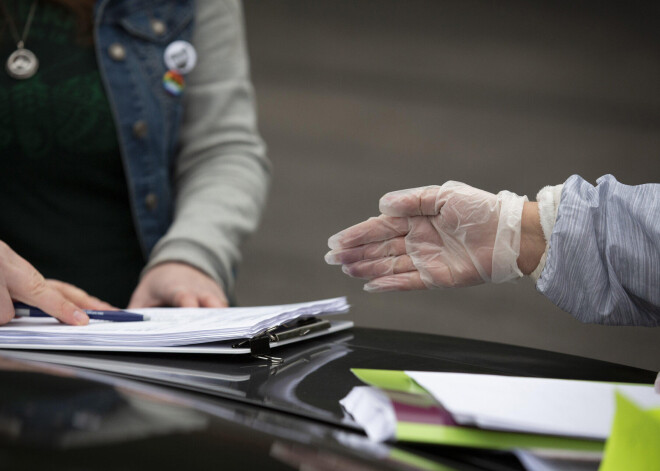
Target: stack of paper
(582, 409)
(489, 411)
(167, 327)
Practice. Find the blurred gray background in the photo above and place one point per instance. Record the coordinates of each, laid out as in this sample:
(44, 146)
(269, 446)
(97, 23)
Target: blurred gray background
(360, 97)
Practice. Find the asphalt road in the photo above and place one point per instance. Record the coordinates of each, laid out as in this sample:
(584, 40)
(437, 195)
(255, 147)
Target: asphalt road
(360, 97)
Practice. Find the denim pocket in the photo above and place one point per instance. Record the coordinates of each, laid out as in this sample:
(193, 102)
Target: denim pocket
(158, 21)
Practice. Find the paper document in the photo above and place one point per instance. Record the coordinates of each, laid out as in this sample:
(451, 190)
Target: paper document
(394, 407)
(168, 326)
(534, 405)
(372, 409)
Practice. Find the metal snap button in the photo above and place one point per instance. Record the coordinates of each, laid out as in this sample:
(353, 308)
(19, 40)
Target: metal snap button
(117, 52)
(158, 27)
(151, 201)
(140, 129)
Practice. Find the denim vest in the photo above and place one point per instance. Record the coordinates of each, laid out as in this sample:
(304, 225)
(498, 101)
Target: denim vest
(131, 37)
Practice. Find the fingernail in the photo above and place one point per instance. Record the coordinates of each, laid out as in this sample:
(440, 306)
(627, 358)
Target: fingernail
(330, 258)
(80, 317)
(334, 242)
(387, 198)
(369, 288)
(344, 268)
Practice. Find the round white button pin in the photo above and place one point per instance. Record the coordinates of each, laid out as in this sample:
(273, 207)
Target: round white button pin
(180, 56)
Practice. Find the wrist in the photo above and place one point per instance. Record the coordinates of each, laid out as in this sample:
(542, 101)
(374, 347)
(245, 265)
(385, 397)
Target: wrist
(532, 241)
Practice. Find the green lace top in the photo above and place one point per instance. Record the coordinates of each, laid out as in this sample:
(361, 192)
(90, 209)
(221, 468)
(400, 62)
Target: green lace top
(65, 205)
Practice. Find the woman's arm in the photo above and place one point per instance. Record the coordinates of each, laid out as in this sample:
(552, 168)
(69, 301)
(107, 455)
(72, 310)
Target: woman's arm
(221, 174)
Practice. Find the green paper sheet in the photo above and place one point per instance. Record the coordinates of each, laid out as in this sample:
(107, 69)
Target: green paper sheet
(493, 440)
(634, 444)
(394, 380)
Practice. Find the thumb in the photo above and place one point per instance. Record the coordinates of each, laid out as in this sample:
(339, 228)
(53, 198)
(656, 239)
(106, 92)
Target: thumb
(55, 304)
(142, 297)
(25, 284)
(423, 201)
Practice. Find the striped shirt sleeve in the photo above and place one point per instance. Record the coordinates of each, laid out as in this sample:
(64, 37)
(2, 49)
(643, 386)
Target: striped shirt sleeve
(603, 263)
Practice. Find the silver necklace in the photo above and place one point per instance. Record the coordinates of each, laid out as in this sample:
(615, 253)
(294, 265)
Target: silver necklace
(22, 63)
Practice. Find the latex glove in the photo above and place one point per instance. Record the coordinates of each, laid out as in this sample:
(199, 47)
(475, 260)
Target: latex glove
(437, 236)
(20, 281)
(178, 285)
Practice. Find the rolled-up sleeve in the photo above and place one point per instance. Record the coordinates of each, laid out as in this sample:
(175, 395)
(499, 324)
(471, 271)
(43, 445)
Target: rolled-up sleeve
(603, 263)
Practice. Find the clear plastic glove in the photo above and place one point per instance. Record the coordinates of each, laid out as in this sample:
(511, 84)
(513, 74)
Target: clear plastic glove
(437, 236)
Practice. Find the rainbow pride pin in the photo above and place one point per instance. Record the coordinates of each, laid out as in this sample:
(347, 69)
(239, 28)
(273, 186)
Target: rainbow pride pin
(173, 83)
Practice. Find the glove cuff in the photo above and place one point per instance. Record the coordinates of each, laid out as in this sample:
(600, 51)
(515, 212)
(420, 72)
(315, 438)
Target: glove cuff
(507, 240)
(548, 199)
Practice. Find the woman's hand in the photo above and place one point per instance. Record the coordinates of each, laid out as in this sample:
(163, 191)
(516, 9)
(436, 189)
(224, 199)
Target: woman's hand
(20, 281)
(439, 236)
(178, 285)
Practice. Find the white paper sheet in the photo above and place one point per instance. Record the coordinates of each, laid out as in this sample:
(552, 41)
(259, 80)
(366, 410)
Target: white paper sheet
(372, 409)
(582, 409)
(168, 326)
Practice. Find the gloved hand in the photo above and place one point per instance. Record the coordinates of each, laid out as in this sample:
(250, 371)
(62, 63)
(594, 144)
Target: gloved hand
(437, 236)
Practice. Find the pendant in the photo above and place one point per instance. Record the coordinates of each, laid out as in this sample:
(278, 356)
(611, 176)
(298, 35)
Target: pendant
(22, 64)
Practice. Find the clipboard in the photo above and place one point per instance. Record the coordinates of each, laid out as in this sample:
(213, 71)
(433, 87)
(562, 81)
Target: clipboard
(260, 346)
(219, 375)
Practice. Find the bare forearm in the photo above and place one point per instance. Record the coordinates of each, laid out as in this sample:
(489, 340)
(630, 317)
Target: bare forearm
(532, 242)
